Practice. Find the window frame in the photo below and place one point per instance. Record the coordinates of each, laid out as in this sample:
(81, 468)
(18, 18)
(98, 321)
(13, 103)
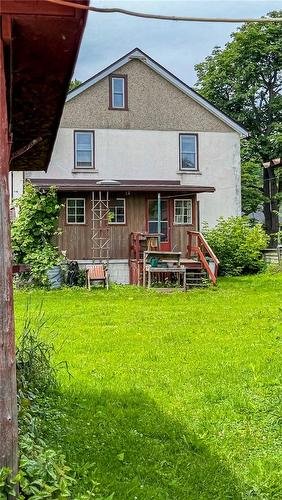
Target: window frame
(84, 215)
(190, 223)
(124, 206)
(92, 166)
(125, 92)
(196, 167)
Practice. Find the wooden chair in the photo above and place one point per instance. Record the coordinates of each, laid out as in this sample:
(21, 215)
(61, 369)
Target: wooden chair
(97, 272)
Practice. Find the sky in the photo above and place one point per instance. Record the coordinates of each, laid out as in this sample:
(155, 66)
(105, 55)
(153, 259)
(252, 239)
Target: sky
(178, 46)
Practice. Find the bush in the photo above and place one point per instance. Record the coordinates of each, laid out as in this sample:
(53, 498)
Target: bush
(34, 230)
(237, 245)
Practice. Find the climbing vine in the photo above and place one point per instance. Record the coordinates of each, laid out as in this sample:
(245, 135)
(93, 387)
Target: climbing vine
(34, 229)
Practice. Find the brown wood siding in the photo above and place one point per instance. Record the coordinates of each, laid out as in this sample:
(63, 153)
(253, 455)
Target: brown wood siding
(135, 221)
(76, 239)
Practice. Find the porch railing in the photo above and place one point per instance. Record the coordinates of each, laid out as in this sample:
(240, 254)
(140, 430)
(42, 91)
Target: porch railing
(197, 245)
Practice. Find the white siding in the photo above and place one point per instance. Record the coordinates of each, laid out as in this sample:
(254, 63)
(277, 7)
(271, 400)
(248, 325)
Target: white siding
(145, 155)
(16, 183)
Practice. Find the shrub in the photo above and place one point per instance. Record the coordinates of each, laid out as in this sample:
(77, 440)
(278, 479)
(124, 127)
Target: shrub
(237, 245)
(35, 371)
(34, 230)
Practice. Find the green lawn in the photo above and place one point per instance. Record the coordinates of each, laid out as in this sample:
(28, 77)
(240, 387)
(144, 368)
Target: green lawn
(172, 396)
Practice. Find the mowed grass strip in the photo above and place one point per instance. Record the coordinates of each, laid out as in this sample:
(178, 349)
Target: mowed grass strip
(172, 396)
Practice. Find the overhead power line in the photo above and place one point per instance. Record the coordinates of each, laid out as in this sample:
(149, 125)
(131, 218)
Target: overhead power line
(116, 10)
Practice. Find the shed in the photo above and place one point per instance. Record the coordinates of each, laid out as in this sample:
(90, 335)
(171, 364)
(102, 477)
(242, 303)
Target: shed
(39, 43)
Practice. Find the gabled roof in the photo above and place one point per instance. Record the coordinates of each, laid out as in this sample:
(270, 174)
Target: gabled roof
(160, 70)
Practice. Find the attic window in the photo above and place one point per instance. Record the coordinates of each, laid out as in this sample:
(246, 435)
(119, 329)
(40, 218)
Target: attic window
(118, 92)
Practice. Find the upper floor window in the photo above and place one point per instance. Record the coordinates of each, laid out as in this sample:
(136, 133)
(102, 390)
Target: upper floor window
(83, 149)
(75, 210)
(188, 152)
(117, 211)
(183, 211)
(118, 92)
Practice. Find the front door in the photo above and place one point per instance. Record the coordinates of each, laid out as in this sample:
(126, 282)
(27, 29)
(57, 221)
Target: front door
(152, 222)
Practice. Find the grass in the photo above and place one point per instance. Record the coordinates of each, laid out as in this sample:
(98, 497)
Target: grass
(172, 396)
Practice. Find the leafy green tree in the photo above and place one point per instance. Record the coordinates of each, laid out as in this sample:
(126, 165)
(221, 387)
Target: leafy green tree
(73, 84)
(244, 79)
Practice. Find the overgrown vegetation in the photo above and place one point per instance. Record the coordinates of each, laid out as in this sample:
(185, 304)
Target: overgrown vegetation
(34, 229)
(237, 245)
(172, 396)
(74, 84)
(43, 472)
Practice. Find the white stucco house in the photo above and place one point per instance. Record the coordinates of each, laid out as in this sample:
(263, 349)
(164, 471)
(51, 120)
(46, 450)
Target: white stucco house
(130, 135)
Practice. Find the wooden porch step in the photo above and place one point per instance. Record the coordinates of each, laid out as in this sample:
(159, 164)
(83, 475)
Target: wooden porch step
(191, 264)
(196, 278)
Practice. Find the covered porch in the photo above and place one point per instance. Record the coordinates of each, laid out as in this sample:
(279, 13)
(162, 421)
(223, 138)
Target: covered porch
(98, 219)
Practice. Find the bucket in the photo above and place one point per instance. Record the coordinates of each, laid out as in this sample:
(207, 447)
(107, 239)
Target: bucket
(55, 277)
(154, 262)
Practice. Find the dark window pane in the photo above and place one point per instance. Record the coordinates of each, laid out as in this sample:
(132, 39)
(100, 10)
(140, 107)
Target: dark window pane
(120, 211)
(164, 231)
(119, 203)
(188, 161)
(153, 227)
(71, 218)
(153, 210)
(120, 218)
(80, 218)
(163, 210)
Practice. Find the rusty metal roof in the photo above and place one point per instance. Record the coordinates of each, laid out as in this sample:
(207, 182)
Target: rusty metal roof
(41, 43)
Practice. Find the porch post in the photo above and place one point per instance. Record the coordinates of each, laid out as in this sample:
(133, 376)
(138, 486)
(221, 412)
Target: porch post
(159, 217)
(8, 389)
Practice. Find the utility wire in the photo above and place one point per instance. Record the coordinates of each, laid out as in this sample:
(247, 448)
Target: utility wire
(116, 10)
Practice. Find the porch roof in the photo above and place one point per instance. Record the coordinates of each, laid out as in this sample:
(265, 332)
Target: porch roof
(120, 185)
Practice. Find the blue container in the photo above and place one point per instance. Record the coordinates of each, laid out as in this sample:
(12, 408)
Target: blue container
(55, 277)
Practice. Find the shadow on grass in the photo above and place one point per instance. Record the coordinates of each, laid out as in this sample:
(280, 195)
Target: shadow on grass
(133, 449)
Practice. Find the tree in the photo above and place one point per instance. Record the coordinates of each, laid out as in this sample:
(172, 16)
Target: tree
(244, 79)
(73, 84)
